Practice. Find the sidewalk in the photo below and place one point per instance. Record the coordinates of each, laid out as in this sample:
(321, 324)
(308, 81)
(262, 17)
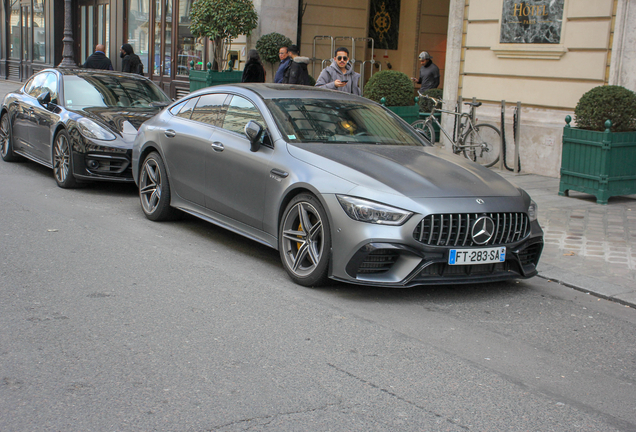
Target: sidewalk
(589, 247)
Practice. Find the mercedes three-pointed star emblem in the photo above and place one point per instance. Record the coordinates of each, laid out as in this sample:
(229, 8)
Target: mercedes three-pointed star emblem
(483, 230)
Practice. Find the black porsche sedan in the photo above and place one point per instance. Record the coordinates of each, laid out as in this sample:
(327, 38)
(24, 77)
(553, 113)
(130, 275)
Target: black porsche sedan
(81, 123)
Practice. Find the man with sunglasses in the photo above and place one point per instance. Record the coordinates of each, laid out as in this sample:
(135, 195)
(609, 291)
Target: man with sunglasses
(340, 74)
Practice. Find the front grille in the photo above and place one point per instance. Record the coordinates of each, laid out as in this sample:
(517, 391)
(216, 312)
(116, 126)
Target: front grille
(530, 255)
(455, 229)
(378, 261)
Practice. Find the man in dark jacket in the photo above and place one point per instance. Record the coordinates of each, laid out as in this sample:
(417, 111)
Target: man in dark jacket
(98, 59)
(296, 73)
(429, 73)
(131, 61)
(284, 58)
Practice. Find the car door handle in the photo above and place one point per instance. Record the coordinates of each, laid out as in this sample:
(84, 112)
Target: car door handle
(170, 133)
(217, 146)
(279, 173)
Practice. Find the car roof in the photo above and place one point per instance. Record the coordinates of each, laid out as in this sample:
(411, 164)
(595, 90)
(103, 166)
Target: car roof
(81, 72)
(282, 91)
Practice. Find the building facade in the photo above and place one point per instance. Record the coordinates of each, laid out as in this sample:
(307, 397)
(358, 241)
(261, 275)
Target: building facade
(543, 54)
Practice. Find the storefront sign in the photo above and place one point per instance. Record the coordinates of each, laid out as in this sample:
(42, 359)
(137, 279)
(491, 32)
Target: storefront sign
(384, 22)
(532, 21)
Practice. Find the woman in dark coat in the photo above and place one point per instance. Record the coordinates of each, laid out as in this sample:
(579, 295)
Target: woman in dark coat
(253, 71)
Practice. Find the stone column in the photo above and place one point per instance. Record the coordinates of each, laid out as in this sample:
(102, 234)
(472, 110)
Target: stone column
(623, 61)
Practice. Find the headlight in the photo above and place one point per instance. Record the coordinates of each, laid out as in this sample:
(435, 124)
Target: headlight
(372, 212)
(90, 129)
(533, 211)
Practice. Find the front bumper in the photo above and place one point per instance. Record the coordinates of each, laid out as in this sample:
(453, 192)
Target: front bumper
(371, 254)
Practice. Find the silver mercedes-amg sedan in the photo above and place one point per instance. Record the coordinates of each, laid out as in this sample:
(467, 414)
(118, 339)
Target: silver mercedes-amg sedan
(339, 185)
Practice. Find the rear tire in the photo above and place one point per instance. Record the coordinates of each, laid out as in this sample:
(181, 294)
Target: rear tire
(154, 190)
(425, 128)
(62, 161)
(304, 241)
(484, 145)
(6, 140)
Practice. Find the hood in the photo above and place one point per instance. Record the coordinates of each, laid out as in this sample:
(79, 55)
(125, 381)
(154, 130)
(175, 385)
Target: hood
(119, 119)
(415, 172)
(299, 59)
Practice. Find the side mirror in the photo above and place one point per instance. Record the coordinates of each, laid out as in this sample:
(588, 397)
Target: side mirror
(45, 98)
(253, 131)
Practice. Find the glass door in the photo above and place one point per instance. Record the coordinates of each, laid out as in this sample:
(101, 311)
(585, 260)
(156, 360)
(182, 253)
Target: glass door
(94, 27)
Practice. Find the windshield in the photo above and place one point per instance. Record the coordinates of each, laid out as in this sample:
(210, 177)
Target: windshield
(111, 90)
(339, 121)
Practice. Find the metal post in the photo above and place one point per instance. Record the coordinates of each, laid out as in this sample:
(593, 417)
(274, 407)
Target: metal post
(68, 58)
(518, 134)
(502, 129)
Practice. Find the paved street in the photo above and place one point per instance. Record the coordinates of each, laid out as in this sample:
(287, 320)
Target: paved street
(111, 322)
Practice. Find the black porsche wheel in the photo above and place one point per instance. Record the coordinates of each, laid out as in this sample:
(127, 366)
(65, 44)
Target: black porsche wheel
(62, 165)
(6, 143)
(154, 190)
(305, 241)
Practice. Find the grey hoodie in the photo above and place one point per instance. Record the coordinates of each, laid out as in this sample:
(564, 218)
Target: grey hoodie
(333, 72)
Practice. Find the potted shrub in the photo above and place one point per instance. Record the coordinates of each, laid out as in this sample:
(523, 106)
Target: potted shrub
(426, 106)
(394, 90)
(220, 21)
(599, 155)
(268, 46)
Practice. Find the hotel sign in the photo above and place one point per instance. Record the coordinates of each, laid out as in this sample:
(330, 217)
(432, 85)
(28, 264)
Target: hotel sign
(532, 21)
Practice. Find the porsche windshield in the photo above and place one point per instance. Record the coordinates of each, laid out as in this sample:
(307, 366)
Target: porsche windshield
(111, 90)
(339, 121)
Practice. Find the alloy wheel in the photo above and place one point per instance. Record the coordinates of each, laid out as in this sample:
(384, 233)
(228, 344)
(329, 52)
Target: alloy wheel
(303, 239)
(150, 185)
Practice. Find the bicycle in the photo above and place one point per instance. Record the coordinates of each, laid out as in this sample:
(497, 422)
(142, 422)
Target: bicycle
(478, 142)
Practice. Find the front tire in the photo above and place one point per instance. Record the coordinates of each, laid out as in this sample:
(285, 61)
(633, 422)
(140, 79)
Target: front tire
(304, 241)
(154, 190)
(484, 144)
(425, 128)
(6, 140)
(62, 161)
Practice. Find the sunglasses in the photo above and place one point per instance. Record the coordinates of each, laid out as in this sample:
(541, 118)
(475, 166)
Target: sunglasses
(341, 58)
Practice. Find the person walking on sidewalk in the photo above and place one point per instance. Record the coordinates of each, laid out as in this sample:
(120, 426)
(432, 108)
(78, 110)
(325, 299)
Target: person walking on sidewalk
(285, 59)
(340, 74)
(296, 72)
(98, 59)
(253, 70)
(131, 61)
(429, 73)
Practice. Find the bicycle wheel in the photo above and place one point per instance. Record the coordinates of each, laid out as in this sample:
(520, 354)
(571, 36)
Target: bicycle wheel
(425, 128)
(482, 145)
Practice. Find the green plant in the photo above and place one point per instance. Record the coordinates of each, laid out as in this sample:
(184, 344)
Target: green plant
(268, 46)
(395, 86)
(222, 21)
(614, 103)
(426, 105)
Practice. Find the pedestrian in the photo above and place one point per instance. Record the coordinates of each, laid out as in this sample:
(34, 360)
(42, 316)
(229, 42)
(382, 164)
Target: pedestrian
(131, 62)
(339, 75)
(283, 56)
(98, 59)
(429, 73)
(296, 72)
(253, 70)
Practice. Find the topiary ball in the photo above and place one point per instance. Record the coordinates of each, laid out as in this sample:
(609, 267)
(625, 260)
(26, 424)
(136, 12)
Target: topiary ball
(395, 86)
(614, 103)
(426, 105)
(268, 46)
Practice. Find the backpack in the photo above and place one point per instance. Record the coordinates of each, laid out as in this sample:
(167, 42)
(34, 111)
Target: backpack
(140, 68)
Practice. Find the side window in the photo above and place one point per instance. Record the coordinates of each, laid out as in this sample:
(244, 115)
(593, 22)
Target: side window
(239, 112)
(175, 109)
(186, 109)
(208, 109)
(50, 85)
(36, 85)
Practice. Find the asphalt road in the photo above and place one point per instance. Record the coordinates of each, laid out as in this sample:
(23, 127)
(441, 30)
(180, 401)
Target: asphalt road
(111, 322)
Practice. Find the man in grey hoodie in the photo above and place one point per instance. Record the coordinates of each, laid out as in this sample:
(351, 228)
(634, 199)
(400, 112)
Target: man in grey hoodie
(340, 75)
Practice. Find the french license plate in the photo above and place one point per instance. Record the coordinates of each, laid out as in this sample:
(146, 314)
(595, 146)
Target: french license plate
(477, 256)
